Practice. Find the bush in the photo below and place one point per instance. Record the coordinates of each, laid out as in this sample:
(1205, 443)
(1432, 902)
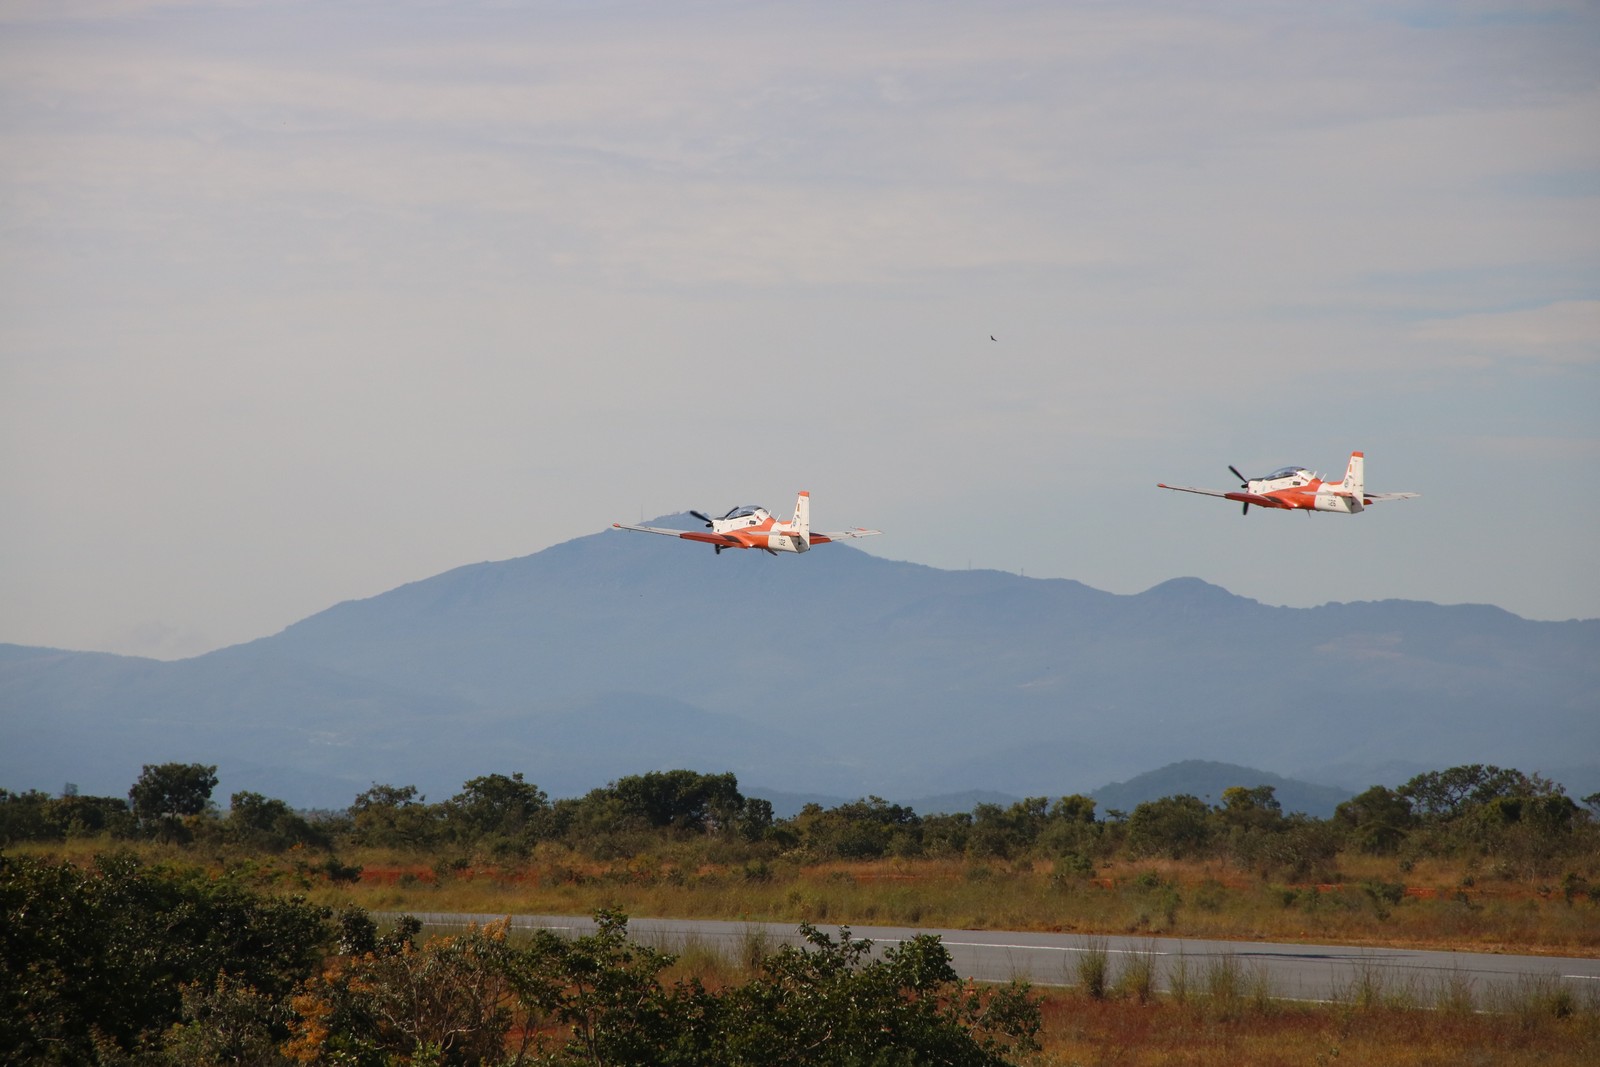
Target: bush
(1176, 827)
(1093, 967)
(97, 960)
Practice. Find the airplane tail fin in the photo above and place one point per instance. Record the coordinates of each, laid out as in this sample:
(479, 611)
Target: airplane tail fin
(802, 515)
(1355, 476)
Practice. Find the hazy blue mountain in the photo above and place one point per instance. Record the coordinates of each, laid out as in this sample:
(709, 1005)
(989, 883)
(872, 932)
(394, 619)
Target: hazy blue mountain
(836, 674)
(1207, 779)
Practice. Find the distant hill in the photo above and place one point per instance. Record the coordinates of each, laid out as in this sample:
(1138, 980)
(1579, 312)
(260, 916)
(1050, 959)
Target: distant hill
(836, 673)
(1207, 779)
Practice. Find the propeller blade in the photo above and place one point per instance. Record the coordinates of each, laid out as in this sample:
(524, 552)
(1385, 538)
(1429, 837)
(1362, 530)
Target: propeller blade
(702, 516)
(1245, 481)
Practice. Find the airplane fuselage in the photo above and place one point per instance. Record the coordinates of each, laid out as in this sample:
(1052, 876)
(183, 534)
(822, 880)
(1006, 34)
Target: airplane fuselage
(756, 528)
(1301, 490)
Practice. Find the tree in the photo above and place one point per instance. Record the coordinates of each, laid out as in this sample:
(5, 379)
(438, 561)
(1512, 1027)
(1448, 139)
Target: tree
(1443, 795)
(1072, 834)
(267, 823)
(819, 1005)
(681, 800)
(226, 1023)
(24, 816)
(388, 816)
(505, 812)
(861, 829)
(448, 1001)
(1172, 826)
(36, 816)
(1532, 832)
(1247, 824)
(944, 833)
(830, 1003)
(81, 816)
(1301, 846)
(1256, 808)
(600, 998)
(1376, 821)
(167, 791)
(1006, 832)
(755, 820)
(606, 990)
(1076, 808)
(96, 960)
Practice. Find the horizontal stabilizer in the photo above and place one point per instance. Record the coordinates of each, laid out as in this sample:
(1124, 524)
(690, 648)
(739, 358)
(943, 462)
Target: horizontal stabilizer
(836, 535)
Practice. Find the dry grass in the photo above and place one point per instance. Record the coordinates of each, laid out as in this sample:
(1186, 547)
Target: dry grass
(1434, 907)
(1080, 1030)
(1223, 1012)
(1214, 1013)
(1430, 905)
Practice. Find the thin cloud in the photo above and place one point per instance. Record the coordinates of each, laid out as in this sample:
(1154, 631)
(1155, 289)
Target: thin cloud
(1564, 332)
(259, 255)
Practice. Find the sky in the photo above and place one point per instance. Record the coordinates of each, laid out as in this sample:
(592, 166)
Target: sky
(300, 302)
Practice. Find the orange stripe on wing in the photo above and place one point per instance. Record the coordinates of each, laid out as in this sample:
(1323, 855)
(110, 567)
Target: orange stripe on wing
(726, 540)
(1257, 499)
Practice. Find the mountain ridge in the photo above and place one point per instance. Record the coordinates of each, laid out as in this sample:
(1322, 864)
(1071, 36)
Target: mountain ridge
(836, 673)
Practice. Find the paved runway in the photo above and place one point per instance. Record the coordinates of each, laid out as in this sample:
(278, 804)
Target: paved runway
(1297, 972)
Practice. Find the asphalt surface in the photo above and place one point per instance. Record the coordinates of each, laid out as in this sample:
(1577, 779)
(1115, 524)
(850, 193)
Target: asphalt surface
(1287, 971)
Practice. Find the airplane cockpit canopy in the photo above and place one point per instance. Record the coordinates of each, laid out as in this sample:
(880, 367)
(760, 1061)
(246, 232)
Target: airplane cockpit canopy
(1283, 472)
(742, 510)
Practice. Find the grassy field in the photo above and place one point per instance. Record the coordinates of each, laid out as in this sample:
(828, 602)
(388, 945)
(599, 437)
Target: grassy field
(1221, 1015)
(1201, 1033)
(1433, 906)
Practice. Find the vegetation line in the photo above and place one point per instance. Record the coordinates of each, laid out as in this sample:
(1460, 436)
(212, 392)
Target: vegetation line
(159, 929)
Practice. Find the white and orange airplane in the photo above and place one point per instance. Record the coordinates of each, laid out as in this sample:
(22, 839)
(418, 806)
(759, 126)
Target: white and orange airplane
(1299, 489)
(750, 526)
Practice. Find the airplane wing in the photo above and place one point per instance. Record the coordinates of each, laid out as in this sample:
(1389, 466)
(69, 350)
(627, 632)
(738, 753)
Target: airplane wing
(1372, 498)
(824, 538)
(1191, 489)
(687, 535)
(1247, 498)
